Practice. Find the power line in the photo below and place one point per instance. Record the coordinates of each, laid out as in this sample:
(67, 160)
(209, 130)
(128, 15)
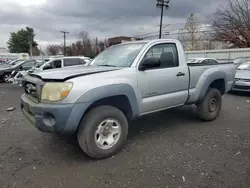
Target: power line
(64, 44)
(176, 30)
(162, 4)
(207, 27)
(210, 31)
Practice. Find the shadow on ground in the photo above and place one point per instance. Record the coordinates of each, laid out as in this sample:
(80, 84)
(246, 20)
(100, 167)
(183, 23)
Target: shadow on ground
(239, 93)
(67, 145)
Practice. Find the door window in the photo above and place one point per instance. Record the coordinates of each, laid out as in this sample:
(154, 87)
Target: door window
(213, 62)
(167, 53)
(28, 65)
(209, 62)
(71, 62)
(83, 62)
(57, 63)
(53, 64)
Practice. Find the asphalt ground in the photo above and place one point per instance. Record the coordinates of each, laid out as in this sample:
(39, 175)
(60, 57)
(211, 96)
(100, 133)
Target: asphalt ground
(168, 149)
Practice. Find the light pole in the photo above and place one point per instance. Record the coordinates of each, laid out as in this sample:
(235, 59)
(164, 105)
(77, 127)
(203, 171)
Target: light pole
(162, 4)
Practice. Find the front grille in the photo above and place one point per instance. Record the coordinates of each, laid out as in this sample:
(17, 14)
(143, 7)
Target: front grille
(31, 89)
(242, 80)
(242, 87)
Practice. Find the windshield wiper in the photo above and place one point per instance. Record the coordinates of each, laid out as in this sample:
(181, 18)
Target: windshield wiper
(107, 65)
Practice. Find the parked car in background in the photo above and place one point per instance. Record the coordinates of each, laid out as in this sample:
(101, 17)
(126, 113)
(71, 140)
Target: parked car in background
(242, 77)
(14, 62)
(123, 82)
(60, 62)
(7, 69)
(17, 77)
(208, 61)
(86, 59)
(3, 61)
(240, 60)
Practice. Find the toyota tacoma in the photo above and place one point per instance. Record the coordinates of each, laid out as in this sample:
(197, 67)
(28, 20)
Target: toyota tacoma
(122, 83)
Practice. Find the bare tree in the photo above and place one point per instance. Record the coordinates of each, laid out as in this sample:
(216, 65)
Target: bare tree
(35, 51)
(86, 46)
(87, 43)
(190, 33)
(53, 49)
(232, 23)
(75, 49)
(181, 37)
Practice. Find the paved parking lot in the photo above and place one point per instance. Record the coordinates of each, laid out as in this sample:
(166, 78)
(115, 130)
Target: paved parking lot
(169, 149)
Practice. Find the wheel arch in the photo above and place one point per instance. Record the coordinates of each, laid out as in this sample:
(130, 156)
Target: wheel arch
(215, 80)
(121, 96)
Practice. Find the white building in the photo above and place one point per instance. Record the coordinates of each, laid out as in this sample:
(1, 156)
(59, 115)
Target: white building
(3, 50)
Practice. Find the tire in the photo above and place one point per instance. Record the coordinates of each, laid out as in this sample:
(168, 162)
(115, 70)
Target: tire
(5, 76)
(206, 110)
(95, 119)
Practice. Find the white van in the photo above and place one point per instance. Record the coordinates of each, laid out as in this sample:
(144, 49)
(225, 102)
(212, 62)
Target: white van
(60, 62)
(52, 63)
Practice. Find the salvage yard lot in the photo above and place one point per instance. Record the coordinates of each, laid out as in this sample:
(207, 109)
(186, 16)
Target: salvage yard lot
(168, 149)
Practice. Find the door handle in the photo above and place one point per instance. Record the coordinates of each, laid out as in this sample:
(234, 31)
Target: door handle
(180, 74)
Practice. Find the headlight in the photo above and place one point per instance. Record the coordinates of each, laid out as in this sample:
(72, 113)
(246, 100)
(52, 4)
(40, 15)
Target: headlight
(56, 91)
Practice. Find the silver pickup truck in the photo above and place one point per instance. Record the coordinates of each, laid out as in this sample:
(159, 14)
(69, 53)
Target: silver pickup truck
(123, 82)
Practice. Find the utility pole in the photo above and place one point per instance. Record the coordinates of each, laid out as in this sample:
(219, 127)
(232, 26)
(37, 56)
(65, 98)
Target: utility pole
(64, 45)
(31, 46)
(162, 4)
(96, 46)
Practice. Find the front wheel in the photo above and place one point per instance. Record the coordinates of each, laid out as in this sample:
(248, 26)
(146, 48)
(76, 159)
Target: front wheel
(6, 77)
(210, 107)
(103, 132)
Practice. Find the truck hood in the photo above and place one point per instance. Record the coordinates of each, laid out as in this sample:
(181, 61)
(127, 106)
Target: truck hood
(63, 74)
(243, 74)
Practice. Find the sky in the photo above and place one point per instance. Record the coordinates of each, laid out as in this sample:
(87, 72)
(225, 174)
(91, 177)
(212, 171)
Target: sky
(100, 18)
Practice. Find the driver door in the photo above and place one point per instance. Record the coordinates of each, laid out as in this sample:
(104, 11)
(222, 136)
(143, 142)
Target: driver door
(163, 87)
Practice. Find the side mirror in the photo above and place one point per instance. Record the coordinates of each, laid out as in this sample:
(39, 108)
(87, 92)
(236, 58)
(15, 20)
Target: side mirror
(150, 62)
(47, 67)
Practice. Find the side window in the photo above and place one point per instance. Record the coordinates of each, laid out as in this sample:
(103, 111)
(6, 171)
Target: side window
(206, 61)
(83, 61)
(209, 62)
(71, 62)
(167, 53)
(213, 62)
(48, 66)
(57, 63)
(28, 65)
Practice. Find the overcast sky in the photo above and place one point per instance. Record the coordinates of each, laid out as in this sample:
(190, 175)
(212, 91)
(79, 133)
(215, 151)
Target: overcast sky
(101, 18)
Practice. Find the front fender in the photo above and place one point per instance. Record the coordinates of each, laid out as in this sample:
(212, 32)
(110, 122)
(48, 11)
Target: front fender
(109, 91)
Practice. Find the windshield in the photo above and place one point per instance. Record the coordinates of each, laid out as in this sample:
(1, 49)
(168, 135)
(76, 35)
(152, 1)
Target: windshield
(118, 56)
(39, 64)
(244, 66)
(18, 63)
(15, 62)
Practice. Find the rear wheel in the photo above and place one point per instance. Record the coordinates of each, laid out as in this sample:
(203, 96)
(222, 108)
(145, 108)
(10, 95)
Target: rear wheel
(210, 107)
(103, 132)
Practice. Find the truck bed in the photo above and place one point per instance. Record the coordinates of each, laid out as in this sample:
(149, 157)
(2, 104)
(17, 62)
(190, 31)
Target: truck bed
(199, 73)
